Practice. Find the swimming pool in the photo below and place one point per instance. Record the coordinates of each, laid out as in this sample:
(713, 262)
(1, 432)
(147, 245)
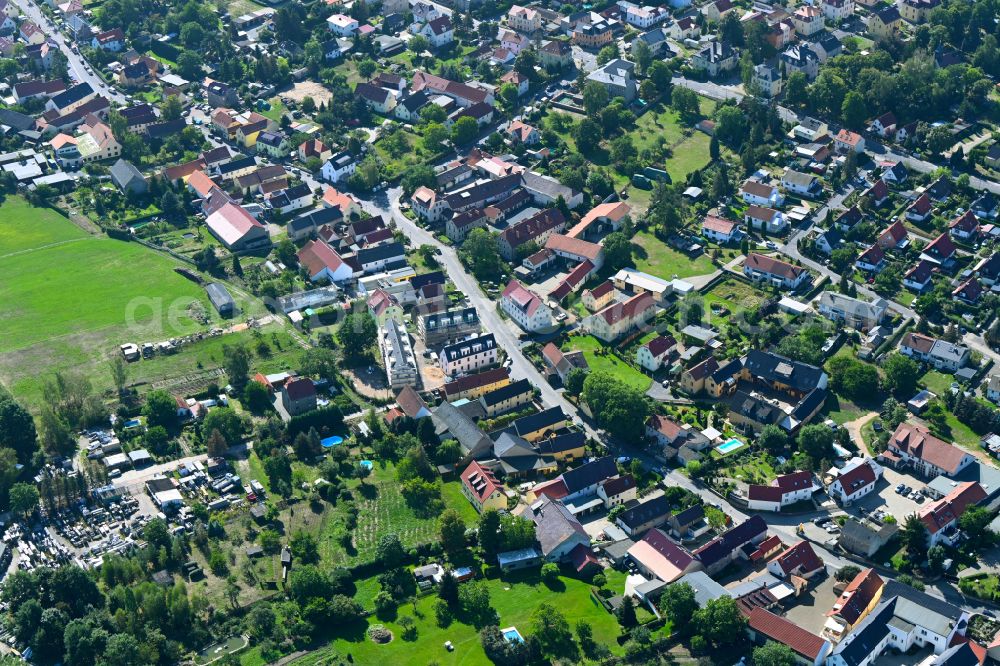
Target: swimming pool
(512, 635)
(330, 442)
(367, 464)
(133, 423)
(729, 446)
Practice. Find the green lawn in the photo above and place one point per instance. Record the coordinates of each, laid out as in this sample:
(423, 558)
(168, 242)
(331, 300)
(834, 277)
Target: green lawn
(515, 599)
(454, 499)
(68, 298)
(655, 257)
(607, 362)
(937, 382)
(734, 296)
(752, 469)
(689, 155)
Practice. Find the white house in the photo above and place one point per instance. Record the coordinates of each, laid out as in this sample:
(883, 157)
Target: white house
(939, 353)
(468, 355)
(339, 167)
(855, 480)
(837, 10)
(340, 24)
(656, 353)
(720, 230)
(526, 308)
(855, 312)
(764, 218)
(759, 194)
(784, 491)
(438, 32)
(762, 268)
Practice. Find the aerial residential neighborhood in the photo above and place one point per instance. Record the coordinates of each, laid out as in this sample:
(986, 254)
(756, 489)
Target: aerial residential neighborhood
(471, 332)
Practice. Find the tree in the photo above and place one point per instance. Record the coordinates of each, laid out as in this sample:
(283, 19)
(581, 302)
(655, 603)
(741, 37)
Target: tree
(595, 98)
(489, 532)
(418, 44)
(731, 126)
(816, 441)
(661, 76)
(852, 378)
(587, 136)
(853, 112)
(685, 102)
(160, 410)
(434, 136)
(774, 654)
(935, 558)
(974, 522)
(474, 599)
(772, 439)
(17, 428)
(417, 176)
(847, 573)
(607, 54)
(23, 499)
(357, 335)
(56, 435)
(236, 361)
(464, 131)
(625, 613)
(796, 89)
(508, 96)
(216, 445)
(451, 529)
(256, 397)
(617, 250)
(304, 547)
(366, 68)
(678, 604)
(642, 54)
(900, 375)
(229, 424)
(550, 628)
(574, 381)
(482, 255)
(550, 573)
(914, 538)
(389, 551)
(720, 621)
(619, 408)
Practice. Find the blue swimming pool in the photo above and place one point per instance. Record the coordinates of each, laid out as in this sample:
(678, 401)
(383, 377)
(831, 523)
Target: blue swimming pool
(330, 442)
(513, 635)
(367, 464)
(730, 446)
(133, 423)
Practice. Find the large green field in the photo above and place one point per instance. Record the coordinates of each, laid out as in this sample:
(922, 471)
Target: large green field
(515, 599)
(655, 257)
(69, 298)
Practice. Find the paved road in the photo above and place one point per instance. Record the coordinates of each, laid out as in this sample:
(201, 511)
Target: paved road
(387, 204)
(76, 62)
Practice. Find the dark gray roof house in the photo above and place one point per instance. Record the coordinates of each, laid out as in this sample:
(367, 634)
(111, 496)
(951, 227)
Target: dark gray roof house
(449, 419)
(127, 178)
(649, 513)
(221, 299)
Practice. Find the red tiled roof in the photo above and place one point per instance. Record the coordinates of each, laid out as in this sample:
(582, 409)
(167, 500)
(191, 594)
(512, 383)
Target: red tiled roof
(575, 246)
(469, 382)
(521, 296)
(970, 290)
(760, 212)
(772, 266)
(873, 255)
(947, 510)
(581, 557)
(918, 442)
(893, 235)
(664, 425)
(765, 493)
(879, 190)
(766, 547)
(718, 224)
(704, 369)
(965, 222)
(758, 189)
(922, 205)
(600, 290)
(299, 387)
(480, 481)
(941, 247)
(800, 558)
(787, 632)
(554, 489)
(628, 310)
(795, 481)
(857, 596)
(859, 477)
(848, 137)
(660, 345)
(921, 272)
(317, 255)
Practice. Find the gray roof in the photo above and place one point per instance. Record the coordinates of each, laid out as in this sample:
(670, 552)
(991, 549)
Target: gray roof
(589, 473)
(705, 589)
(949, 351)
(448, 418)
(554, 524)
(856, 306)
(124, 172)
(658, 507)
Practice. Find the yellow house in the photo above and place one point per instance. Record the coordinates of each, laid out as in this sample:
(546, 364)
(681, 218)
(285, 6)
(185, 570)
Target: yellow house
(885, 24)
(692, 380)
(482, 489)
(858, 599)
(473, 386)
(564, 448)
(532, 428)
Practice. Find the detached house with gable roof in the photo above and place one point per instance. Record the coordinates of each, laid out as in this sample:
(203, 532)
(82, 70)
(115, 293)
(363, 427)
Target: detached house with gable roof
(762, 268)
(481, 487)
(858, 599)
(941, 516)
(618, 319)
(526, 308)
(658, 557)
(941, 354)
(785, 490)
(915, 446)
(855, 480)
